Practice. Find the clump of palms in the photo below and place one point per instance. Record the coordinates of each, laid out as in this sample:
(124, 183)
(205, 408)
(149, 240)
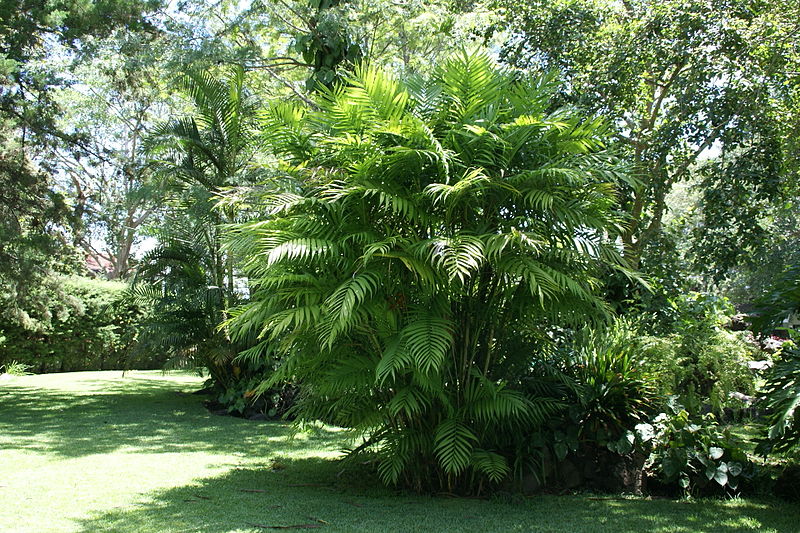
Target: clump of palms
(445, 227)
(189, 280)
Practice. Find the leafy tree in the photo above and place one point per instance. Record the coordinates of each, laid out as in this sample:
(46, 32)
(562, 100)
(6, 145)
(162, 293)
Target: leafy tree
(34, 246)
(297, 44)
(112, 193)
(328, 43)
(679, 80)
(443, 229)
(173, 281)
(35, 226)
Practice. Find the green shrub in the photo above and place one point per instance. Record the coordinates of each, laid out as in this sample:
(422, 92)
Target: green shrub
(242, 395)
(439, 230)
(176, 282)
(696, 454)
(774, 311)
(94, 330)
(780, 305)
(598, 375)
(702, 362)
(613, 390)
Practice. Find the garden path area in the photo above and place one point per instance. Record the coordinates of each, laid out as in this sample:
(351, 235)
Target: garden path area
(96, 451)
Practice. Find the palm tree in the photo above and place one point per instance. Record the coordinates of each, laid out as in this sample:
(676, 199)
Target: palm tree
(210, 150)
(447, 226)
(189, 279)
(184, 311)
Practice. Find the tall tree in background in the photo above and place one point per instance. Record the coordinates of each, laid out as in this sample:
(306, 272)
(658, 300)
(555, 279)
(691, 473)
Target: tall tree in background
(208, 151)
(120, 96)
(189, 279)
(680, 79)
(295, 44)
(34, 224)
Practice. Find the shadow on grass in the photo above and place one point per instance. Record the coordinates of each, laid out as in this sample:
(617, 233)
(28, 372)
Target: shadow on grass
(317, 493)
(145, 415)
(99, 416)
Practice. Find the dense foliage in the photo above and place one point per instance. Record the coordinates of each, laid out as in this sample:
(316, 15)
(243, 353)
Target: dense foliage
(701, 361)
(783, 400)
(446, 226)
(434, 254)
(679, 78)
(778, 311)
(697, 454)
(91, 325)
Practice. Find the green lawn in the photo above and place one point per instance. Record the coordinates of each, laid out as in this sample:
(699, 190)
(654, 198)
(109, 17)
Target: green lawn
(95, 451)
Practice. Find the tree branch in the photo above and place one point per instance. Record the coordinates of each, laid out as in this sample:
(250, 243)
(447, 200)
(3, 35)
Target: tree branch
(288, 84)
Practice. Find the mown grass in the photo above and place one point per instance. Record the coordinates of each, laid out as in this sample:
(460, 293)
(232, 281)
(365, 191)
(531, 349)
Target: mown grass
(95, 451)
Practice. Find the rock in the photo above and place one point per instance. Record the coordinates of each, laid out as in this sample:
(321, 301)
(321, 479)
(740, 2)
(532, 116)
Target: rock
(609, 472)
(738, 322)
(220, 412)
(258, 416)
(744, 398)
(759, 365)
(531, 483)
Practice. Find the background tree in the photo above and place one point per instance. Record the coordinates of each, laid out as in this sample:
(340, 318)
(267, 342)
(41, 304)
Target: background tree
(120, 98)
(680, 80)
(35, 232)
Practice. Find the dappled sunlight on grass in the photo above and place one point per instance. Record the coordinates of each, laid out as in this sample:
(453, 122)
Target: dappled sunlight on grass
(309, 492)
(97, 452)
(143, 412)
(75, 443)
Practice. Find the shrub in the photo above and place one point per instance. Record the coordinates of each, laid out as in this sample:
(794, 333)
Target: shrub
(696, 454)
(94, 330)
(439, 230)
(614, 392)
(608, 396)
(774, 311)
(176, 282)
(242, 396)
(15, 368)
(702, 362)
